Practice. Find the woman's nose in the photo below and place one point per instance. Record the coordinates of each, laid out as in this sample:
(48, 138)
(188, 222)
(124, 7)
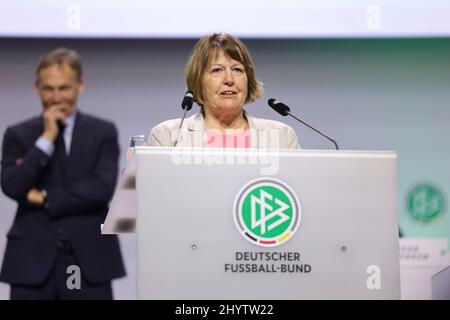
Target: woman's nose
(229, 78)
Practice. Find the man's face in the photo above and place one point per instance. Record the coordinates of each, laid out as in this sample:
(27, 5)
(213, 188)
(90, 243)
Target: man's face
(58, 87)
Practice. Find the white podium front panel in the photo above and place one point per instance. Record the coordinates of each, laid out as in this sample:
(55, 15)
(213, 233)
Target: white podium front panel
(342, 244)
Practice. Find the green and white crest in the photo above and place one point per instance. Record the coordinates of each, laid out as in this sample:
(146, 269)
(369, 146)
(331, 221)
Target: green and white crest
(267, 212)
(425, 203)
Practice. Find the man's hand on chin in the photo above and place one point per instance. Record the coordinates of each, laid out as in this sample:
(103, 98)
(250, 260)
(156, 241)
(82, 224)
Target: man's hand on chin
(36, 197)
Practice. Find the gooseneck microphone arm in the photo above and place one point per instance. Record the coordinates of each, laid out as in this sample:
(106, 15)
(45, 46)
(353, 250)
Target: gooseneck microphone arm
(186, 105)
(284, 110)
(182, 120)
(324, 135)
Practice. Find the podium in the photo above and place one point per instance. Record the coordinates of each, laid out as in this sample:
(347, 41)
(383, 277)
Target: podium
(261, 224)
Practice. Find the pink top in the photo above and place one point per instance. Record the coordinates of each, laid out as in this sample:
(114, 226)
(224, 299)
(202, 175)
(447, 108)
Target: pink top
(240, 140)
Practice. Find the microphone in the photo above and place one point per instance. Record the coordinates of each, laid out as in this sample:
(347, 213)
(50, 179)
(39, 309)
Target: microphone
(188, 100)
(279, 107)
(186, 105)
(284, 110)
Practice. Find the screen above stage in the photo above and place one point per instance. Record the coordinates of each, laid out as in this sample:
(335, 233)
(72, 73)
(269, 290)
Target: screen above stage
(248, 19)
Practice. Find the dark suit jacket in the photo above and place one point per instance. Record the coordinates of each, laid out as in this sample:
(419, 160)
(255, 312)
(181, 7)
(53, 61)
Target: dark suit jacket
(78, 187)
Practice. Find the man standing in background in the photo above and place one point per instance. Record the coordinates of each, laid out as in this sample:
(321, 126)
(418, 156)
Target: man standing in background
(61, 168)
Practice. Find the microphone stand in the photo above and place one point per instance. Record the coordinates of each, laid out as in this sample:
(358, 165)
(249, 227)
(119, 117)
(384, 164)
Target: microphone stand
(179, 128)
(332, 140)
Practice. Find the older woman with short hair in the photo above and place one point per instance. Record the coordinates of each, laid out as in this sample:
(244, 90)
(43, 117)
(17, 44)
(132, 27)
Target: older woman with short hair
(221, 75)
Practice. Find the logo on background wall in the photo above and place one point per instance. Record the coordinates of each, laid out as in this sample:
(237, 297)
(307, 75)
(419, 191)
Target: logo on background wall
(425, 203)
(267, 212)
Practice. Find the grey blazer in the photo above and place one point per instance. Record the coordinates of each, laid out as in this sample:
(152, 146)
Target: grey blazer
(267, 134)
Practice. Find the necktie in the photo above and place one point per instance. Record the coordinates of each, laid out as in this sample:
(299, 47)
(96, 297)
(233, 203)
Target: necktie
(60, 147)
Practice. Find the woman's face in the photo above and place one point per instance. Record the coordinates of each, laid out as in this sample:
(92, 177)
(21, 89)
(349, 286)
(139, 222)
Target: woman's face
(224, 85)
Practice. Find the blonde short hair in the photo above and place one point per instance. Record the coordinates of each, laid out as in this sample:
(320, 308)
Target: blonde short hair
(209, 47)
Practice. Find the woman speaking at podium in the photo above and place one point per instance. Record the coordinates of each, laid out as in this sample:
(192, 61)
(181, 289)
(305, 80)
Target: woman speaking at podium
(221, 77)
